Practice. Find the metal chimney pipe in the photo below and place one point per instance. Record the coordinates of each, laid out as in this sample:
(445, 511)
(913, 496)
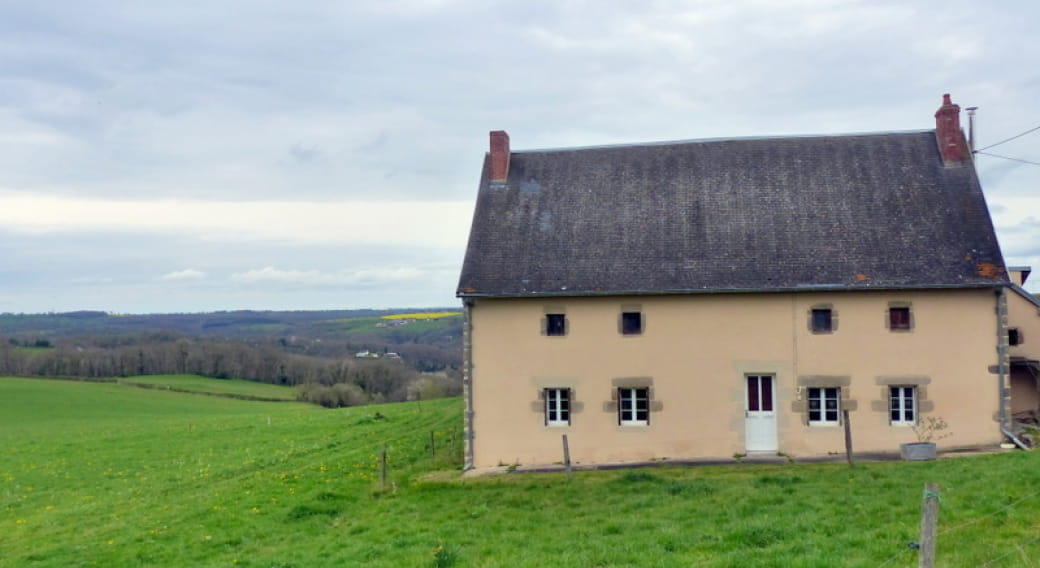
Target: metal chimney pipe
(971, 128)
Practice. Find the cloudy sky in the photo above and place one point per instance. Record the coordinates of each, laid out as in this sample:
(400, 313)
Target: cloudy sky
(218, 155)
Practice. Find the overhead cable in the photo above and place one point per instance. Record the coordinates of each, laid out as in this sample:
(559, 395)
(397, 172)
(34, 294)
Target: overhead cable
(1007, 158)
(1009, 139)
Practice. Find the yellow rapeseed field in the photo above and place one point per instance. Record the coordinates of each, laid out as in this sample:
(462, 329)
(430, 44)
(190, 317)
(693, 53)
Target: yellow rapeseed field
(423, 315)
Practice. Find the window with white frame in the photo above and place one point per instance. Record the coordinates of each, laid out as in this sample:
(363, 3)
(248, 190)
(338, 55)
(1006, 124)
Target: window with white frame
(824, 403)
(557, 407)
(902, 406)
(634, 406)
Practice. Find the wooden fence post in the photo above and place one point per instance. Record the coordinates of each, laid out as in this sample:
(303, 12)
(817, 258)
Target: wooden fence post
(567, 456)
(929, 519)
(433, 449)
(382, 468)
(848, 435)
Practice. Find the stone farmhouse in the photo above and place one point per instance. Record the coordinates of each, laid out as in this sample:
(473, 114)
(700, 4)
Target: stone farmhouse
(710, 298)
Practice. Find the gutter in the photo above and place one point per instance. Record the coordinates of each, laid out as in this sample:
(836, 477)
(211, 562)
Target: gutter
(467, 381)
(696, 291)
(1002, 366)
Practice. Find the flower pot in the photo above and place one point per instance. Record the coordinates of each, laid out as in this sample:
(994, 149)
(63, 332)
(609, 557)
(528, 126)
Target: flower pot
(918, 451)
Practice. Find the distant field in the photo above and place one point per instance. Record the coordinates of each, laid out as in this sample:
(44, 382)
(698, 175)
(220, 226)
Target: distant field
(379, 325)
(195, 383)
(104, 474)
(422, 315)
(33, 349)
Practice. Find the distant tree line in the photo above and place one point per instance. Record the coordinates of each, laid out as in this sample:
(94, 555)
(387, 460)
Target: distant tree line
(329, 381)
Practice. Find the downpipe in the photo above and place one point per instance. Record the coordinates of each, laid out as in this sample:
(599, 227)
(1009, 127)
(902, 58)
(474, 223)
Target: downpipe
(467, 380)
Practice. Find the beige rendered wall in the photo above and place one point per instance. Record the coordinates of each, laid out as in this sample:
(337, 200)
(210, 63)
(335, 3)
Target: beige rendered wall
(696, 351)
(1024, 316)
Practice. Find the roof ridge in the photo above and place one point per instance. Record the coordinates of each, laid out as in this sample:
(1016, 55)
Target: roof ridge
(708, 140)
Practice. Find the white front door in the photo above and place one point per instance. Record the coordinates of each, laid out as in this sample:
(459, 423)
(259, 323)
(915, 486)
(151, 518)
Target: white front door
(760, 414)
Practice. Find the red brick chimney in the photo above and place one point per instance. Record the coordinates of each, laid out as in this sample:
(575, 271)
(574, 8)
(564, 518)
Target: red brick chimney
(499, 156)
(952, 145)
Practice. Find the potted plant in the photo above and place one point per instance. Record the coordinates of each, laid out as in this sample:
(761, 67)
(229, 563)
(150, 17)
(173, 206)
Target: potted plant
(928, 431)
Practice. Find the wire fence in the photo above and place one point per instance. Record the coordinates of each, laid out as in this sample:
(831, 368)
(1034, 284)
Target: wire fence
(1018, 551)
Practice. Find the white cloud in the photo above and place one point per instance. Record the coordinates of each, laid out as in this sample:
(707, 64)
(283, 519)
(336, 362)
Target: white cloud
(415, 223)
(320, 145)
(367, 276)
(186, 274)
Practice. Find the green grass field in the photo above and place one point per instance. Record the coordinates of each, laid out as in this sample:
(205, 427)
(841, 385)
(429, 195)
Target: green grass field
(230, 387)
(104, 474)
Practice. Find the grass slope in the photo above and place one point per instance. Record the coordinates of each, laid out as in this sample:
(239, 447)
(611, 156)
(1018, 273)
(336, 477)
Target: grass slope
(229, 387)
(110, 475)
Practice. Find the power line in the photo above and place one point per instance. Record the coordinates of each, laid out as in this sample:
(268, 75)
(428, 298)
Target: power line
(1009, 139)
(1007, 158)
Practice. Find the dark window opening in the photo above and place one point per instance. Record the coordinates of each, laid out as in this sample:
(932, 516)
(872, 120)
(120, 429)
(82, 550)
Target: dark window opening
(555, 324)
(822, 320)
(899, 318)
(1014, 336)
(631, 323)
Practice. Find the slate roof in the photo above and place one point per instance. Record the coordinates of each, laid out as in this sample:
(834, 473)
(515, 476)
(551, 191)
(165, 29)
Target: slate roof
(793, 213)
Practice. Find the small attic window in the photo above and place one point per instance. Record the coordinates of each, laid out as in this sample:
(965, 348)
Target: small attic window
(899, 318)
(1014, 336)
(822, 320)
(555, 324)
(631, 323)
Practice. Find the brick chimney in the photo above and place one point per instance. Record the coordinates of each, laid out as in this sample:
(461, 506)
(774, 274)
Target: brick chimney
(952, 145)
(499, 156)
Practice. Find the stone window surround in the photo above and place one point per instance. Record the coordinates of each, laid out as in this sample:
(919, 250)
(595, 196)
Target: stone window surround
(800, 404)
(554, 309)
(888, 317)
(920, 382)
(834, 318)
(631, 308)
(612, 406)
(538, 405)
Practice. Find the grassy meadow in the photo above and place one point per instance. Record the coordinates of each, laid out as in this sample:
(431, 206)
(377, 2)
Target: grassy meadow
(225, 387)
(106, 474)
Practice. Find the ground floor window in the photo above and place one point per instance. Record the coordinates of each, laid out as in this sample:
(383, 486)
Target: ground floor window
(557, 407)
(902, 405)
(824, 405)
(633, 406)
